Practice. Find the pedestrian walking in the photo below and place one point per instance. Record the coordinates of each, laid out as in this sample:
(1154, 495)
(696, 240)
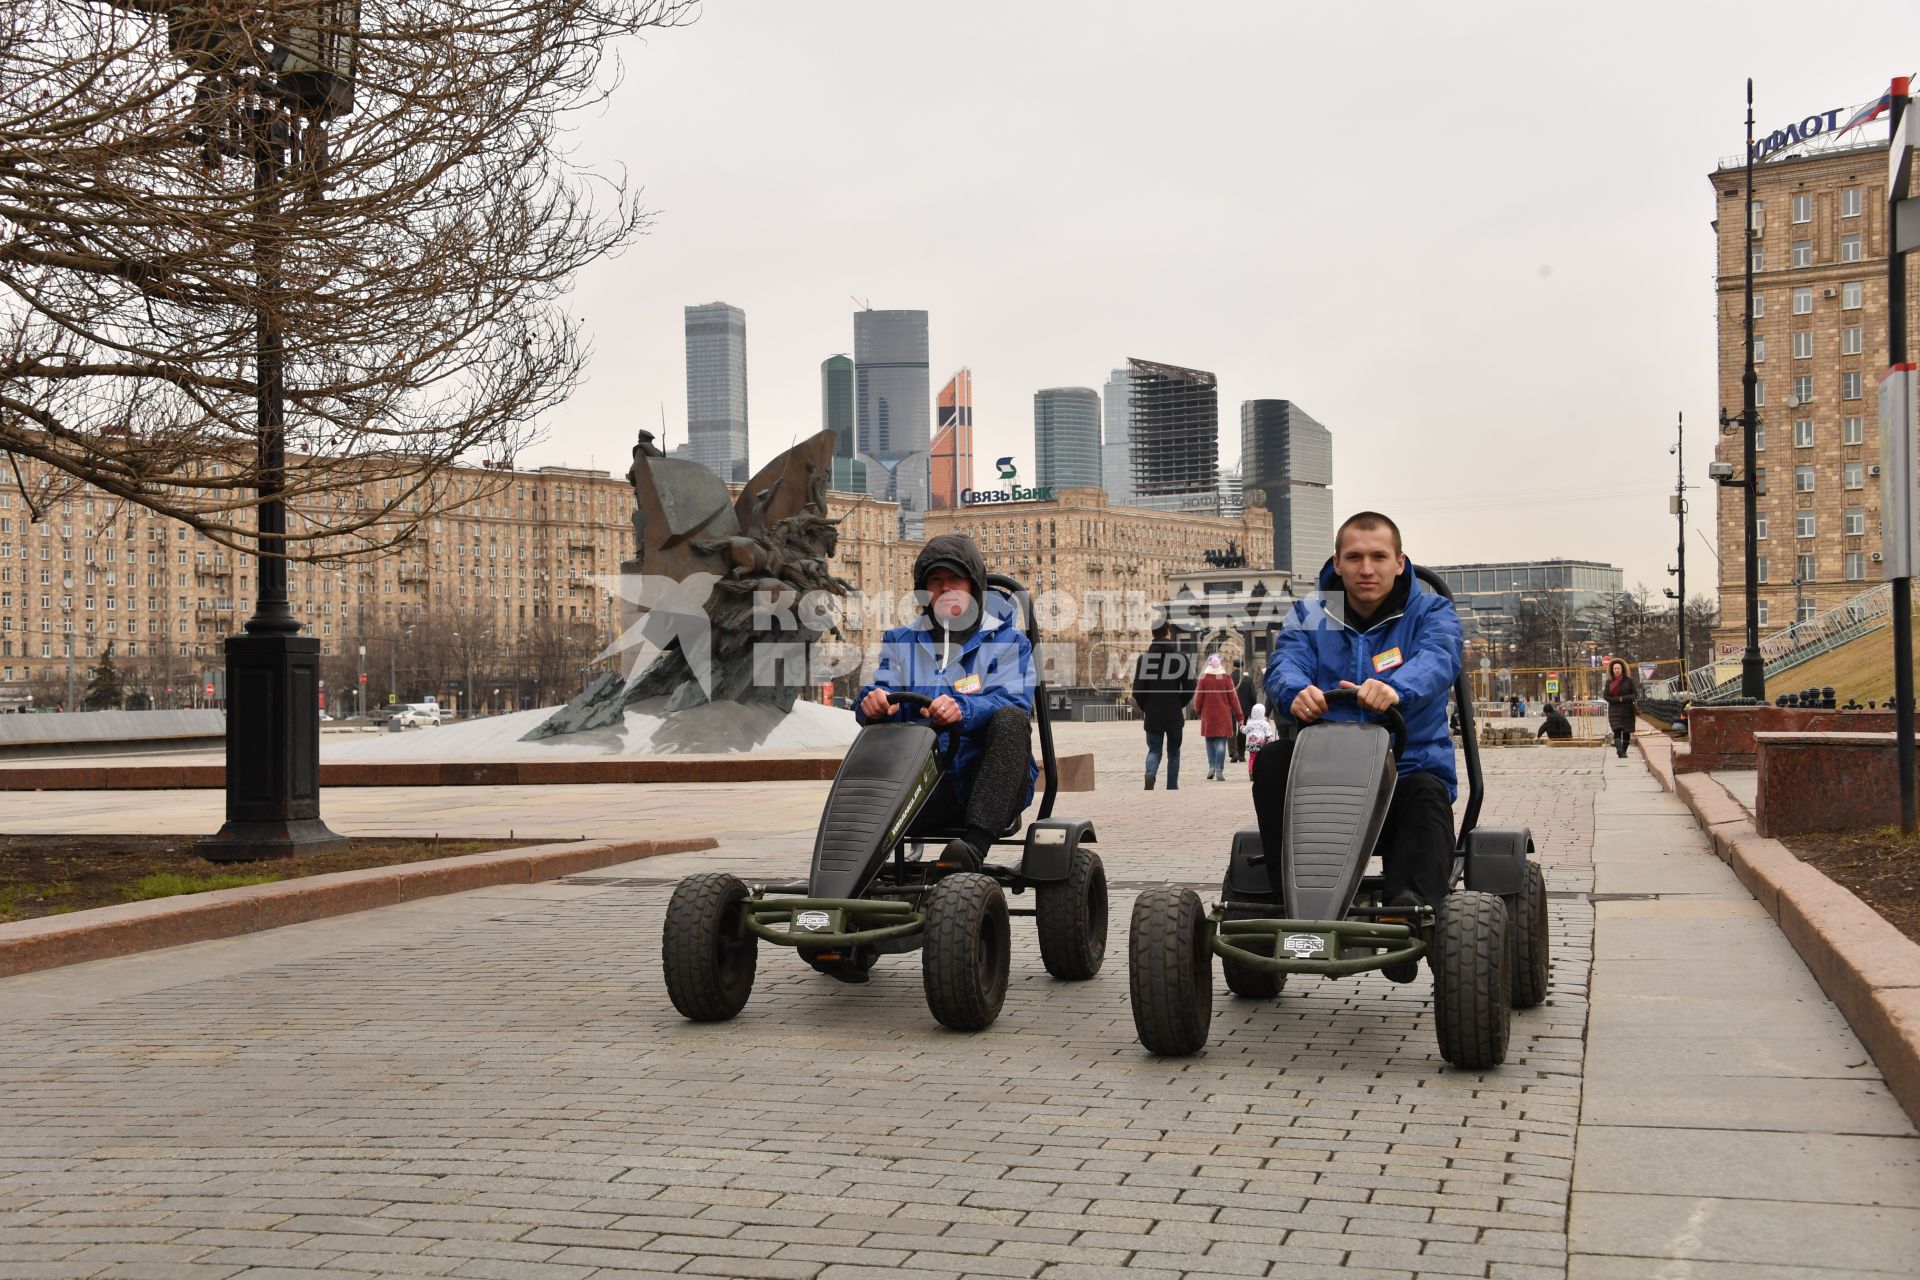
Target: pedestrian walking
(1163, 685)
(1243, 686)
(1219, 708)
(1620, 692)
(1259, 732)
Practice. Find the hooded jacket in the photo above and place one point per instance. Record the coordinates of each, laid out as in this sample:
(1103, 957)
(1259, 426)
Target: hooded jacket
(1414, 648)
(983, 665)
(1164, 679)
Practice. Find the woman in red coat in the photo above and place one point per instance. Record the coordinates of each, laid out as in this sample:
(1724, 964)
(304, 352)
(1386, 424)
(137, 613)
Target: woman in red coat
(1219, 706)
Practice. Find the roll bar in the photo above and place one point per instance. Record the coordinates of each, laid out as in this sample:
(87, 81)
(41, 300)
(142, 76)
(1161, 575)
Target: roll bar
(1463, 700)
(1022, 599)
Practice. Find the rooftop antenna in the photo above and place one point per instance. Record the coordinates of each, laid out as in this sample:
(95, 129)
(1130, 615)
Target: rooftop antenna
(863, 303)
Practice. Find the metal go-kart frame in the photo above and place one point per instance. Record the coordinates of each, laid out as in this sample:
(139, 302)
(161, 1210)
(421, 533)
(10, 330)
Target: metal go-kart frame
(1321, 914)
(871, 892)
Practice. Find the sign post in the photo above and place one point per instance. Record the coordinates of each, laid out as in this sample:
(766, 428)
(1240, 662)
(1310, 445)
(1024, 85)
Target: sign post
(1897, 409)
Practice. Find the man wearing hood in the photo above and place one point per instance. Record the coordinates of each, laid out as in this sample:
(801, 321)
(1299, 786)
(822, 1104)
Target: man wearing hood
(1374, 629)
(1164, 680)
(977, 666)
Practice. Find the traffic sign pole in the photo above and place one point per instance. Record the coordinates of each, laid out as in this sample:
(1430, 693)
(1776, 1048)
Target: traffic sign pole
(1899, 165)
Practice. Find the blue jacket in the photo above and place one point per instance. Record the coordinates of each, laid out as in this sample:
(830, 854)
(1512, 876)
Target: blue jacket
(994, 663)
(1416, 651)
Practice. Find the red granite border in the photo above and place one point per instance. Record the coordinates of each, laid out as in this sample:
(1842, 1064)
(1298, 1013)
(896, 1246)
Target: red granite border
(1869, 969)
(1076, 773)
(46, 943)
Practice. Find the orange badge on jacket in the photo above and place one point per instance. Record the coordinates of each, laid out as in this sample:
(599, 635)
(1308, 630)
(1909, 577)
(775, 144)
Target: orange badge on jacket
(967, 684)
(1386, 661)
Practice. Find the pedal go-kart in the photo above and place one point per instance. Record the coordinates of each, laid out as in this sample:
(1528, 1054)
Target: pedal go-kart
(873, 891)
(1486, 943)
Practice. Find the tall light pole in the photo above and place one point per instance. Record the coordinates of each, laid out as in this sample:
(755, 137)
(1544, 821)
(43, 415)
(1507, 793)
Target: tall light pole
(1679, 569)
(273, 723)
(1901, 238)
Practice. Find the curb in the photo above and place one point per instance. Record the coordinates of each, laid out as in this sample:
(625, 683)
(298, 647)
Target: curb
(103, 932)
(1868, 968)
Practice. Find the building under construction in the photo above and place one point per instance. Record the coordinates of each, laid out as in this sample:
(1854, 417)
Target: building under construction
(1173, 436)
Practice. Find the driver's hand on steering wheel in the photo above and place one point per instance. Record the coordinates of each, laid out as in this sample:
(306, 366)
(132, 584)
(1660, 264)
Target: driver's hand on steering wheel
(876, 705)
(1375, 695)
(943, 711)
(1309, 705)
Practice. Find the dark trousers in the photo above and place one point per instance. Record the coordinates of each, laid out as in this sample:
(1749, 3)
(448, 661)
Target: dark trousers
(1171, 732)
(995, 784)
(1237, 744)
(1416, 844)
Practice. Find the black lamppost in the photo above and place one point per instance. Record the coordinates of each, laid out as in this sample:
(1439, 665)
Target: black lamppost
(1753, 672)
(291, 88)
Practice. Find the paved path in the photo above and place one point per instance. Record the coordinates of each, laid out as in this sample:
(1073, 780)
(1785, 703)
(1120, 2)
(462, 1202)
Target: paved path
(494, 1084)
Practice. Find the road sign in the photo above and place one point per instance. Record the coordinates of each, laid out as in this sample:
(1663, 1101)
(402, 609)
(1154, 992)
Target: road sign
(363, 678)
(209, 691)
(1486, 663)
(1553, 686)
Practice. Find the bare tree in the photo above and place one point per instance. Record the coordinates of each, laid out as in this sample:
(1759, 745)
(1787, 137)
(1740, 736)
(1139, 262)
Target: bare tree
(395, 239)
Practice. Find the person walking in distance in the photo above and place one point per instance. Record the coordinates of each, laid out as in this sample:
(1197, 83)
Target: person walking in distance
(1243, 688)
(1219, 708)
(1163, 685)
(1620, 693)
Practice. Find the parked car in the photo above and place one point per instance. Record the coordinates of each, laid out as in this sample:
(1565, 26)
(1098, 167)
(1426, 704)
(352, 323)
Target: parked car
(419, 715)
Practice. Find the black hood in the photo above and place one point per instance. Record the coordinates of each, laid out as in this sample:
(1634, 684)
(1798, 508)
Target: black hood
(957, 551)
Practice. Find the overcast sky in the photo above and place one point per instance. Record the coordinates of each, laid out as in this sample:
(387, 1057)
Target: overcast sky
(1472, 238)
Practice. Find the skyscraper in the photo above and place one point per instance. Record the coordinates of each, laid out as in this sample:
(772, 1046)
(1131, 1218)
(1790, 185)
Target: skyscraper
(1116, 463)
(1066, 437)
(1231, 498)
(1173, 436)
(836, 415)
(717, 388)
(1286, 465)
(952, 448)
(891, 409)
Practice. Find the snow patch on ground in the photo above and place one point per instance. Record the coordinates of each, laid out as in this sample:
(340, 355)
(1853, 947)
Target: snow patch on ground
(718, 728)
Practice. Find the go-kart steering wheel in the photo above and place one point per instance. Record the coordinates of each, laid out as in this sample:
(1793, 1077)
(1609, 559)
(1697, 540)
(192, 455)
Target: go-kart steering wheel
(902, 698)
(1391, 719)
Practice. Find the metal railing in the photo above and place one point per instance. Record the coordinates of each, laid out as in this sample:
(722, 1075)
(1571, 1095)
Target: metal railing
(1784, 649)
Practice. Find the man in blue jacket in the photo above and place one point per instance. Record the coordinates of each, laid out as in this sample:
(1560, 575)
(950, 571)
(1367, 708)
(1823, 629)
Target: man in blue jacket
(1376, 630)
(977, 666)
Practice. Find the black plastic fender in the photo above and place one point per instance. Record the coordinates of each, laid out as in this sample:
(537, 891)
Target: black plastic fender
(1050, 843)
(1497, 859)
(1246, 866)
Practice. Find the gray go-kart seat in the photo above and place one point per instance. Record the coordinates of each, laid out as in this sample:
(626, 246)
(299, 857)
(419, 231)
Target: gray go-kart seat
(886, 777)
(1338, 790)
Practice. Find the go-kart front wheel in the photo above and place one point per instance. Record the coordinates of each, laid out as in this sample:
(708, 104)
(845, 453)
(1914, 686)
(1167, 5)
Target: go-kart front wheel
(1170, 971)
(1071, 918)
(1527, 932)
(708, 958)
(968, 948)
(1471, 979)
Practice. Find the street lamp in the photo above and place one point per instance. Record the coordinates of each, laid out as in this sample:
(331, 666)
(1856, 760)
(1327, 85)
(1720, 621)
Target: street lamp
(256, 100)
(1752, 482)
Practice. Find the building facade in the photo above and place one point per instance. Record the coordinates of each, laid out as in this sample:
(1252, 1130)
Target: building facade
(1817, 234)
(1066, 438)
(1173, 437)
(1109, 565)
(717, 389)
(1490, 596)
(1116, 460)
(836, 415)
(951, 451)
(892, 405)
(1286, 462)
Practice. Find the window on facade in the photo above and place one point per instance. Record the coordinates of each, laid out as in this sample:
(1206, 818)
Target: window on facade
(1803, 568)
(1850, 248)
(1760, 568)
(1854, 521)
(1759, 391)
(1803, 208)
(1803, 388)
(1808, 608)
(1759, 259)
(1760, 526)
(1803, 345)
(1803, 433)
(1803, 524)
(1759, 350)
(1802, 253)
(1850, 341)
(1852, 295)
(1760, 437)
(1803, 478)
(1856, 567)
(1851, 384)
(1853, 475)
(1852, 430)
(1757, 216)
(1759, 305)
(1850, 202)
(1803, 302)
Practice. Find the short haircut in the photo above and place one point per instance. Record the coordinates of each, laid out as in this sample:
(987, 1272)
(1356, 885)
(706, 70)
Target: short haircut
(1367, 520)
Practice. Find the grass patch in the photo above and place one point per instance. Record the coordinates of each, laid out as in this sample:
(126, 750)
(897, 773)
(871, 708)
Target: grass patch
(168, 884)
(18, 901)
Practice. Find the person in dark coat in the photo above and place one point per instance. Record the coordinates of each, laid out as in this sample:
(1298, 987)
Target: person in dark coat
(1243, 687)
(1620, 691)
(1163, 684)
(1556, 725)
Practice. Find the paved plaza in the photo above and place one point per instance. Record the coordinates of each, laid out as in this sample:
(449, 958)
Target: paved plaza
(494, 1085)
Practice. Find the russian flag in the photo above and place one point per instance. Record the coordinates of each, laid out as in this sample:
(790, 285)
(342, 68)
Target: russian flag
(1872, 111)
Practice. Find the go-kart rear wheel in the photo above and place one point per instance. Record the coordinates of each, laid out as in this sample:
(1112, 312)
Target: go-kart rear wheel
(1071, 918)
(1471, 979)
(708, 958)
(1247, 983)
(968, 947)
(1527, 933)
(1170, 971)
